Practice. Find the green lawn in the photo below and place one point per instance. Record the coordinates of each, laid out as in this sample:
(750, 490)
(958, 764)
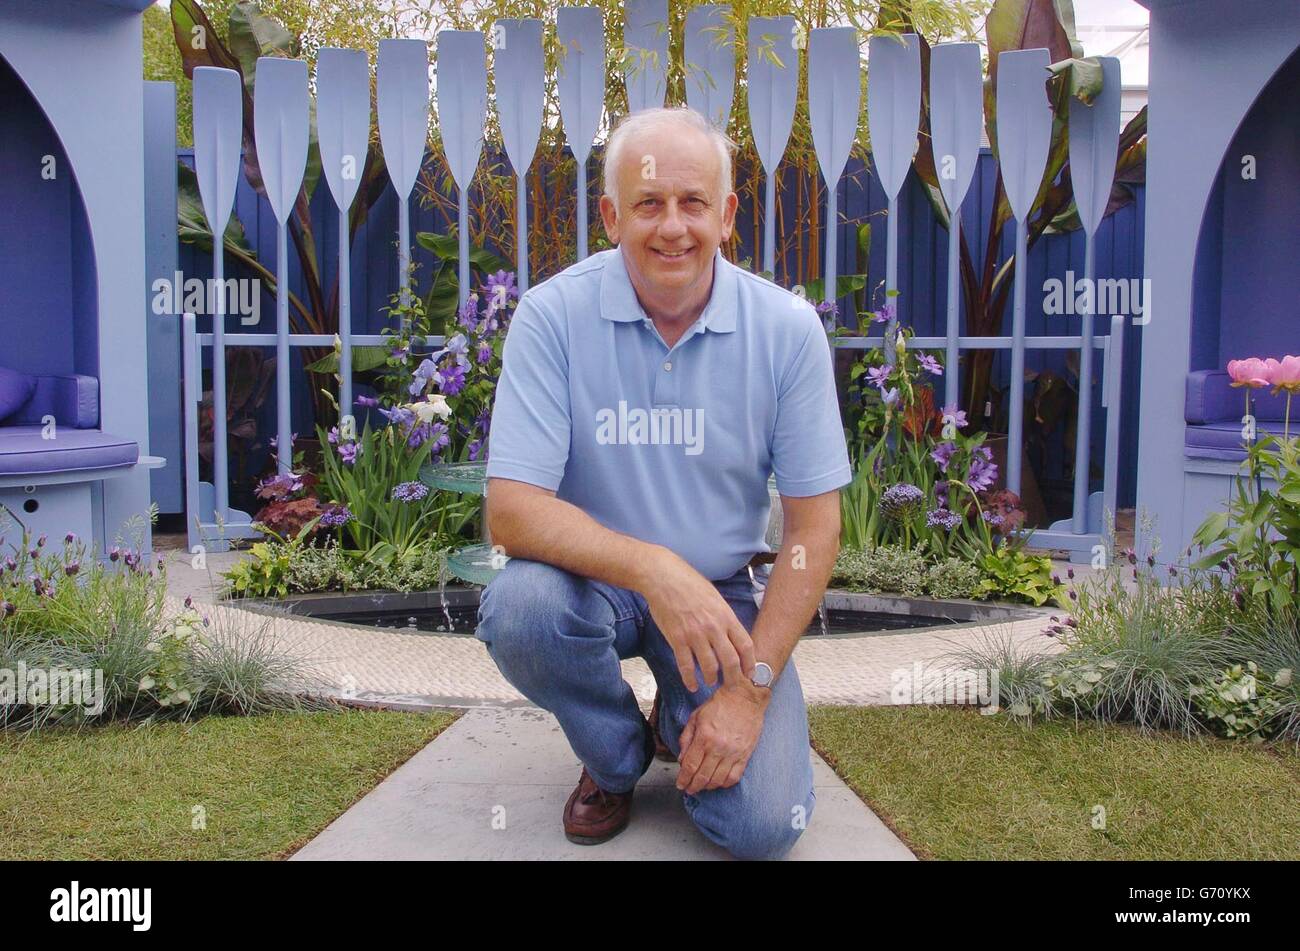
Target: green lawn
(957, 785)
(265, 784)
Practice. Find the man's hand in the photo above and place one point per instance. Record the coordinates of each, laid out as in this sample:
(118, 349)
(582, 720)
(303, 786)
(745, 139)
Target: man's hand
(720, 736)
(698, 623)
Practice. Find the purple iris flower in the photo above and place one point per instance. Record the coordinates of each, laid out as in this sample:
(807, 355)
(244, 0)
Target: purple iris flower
(954, 415)
(942, 455)
(484, 354)
(348, 452)
(474, 449)
(983, 470)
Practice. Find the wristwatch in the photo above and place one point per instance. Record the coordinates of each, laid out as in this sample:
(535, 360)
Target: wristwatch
(762, 675)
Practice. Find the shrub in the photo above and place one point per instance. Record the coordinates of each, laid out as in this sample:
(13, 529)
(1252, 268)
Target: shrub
(953, 578)
(888, 569)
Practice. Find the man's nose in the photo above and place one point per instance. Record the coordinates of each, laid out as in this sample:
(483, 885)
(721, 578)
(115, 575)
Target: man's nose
(672, 225)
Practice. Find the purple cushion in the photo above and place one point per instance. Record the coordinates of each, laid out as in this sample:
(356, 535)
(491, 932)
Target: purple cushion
(15, 390)
(72, 400)
(24, 452)
(1223, 440)
(1211, 398)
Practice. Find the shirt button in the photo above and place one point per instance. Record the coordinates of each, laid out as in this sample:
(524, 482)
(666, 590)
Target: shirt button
(668, 365)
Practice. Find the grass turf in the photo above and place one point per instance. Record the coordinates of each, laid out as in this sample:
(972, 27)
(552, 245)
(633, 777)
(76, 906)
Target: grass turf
(262, 785)
(958, 785)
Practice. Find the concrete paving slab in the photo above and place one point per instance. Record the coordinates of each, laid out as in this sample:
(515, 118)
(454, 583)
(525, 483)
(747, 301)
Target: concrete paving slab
(493, 785)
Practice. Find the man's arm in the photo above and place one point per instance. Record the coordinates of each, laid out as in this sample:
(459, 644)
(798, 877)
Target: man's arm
(529, 522)
(721, 734)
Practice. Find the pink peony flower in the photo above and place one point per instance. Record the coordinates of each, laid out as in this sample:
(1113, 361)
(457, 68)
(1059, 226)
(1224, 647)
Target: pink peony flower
(1252, 372)
(1283, 374)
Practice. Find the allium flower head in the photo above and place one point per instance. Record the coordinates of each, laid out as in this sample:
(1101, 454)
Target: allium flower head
(901, 502)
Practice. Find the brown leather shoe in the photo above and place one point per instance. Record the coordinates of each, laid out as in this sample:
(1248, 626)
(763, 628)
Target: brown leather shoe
(592, 815)
(662, 752)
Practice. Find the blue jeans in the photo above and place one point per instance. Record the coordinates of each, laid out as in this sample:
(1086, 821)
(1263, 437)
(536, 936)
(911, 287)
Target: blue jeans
(558, 638)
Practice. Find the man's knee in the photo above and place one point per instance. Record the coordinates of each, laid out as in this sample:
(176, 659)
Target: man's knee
(526, 597)
(756, 826)
(531, 612)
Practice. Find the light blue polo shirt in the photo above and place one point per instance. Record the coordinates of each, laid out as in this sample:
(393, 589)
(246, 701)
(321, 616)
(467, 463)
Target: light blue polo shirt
(671, 446)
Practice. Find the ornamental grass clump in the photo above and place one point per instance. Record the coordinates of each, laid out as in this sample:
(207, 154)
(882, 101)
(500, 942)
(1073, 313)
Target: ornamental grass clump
(93, 639)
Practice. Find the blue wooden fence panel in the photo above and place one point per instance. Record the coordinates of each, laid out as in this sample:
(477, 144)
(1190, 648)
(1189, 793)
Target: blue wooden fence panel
(922, 274)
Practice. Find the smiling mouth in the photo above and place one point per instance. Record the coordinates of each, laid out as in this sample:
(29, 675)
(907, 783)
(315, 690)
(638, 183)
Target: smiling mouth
(673, 256)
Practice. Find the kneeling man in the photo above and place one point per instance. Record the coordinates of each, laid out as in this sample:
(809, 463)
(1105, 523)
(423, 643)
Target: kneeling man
(646, 396)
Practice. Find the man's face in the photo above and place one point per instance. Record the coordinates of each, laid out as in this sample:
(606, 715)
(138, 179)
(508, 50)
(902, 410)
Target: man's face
(671, 219)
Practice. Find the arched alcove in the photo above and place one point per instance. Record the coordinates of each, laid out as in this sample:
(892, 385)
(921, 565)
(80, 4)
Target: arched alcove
(1246, 284)
(48, 287)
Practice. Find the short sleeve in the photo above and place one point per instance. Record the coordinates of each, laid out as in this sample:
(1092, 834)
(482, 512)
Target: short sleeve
(531, 421)
(809, 455)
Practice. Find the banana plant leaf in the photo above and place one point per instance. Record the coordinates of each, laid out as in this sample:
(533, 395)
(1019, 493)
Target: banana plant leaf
(443, 298)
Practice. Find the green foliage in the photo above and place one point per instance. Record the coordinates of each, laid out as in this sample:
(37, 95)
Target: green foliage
(64, 609)
(1240, 702)
(1010, 573)
(953, 578)
(330, 567)
(887, 568)
(1257, 539)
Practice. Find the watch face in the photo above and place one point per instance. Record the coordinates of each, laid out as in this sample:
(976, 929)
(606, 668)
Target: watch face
(762, 675)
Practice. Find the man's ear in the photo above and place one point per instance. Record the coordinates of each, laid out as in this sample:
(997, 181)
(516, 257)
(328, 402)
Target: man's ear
(729, 207)
(609, 215)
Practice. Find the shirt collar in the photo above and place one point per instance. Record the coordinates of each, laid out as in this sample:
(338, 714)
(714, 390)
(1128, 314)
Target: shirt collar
(618, 300)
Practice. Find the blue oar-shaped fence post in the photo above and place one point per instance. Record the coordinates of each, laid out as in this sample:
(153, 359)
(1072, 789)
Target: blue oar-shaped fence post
(402, 104)
(343, 132)
(1024, 134)
(834, 100)
(956, 117)
(580, 77)
(218, 136)
(645, 37)
(517, 68)
(1094, 145)
(462, 110)
(710, 50)
(894, 120)
(282, 127)
(773, 74)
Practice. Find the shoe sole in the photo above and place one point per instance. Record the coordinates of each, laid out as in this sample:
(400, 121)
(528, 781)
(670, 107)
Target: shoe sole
(592, 839)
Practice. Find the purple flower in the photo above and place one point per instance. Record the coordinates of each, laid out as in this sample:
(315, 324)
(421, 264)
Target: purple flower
(983, 470)
(496, 299)
(458, 346)
(890, 396)
(484, 354)
(993, 518)
(336, 516)
(71, 568)
(410, 492)
(951, 414)
(333, 436)
(7, 608)
(367, 401)
(887, 312)
(901, 502)
(399, 416)
(474, 449)
(879, 376)
(348, 453)
(929, 364)
(942, 455)
(275, 441)
(279, 487)
(467, 315)
(69, 538)
(450, 382)
(942, 518)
